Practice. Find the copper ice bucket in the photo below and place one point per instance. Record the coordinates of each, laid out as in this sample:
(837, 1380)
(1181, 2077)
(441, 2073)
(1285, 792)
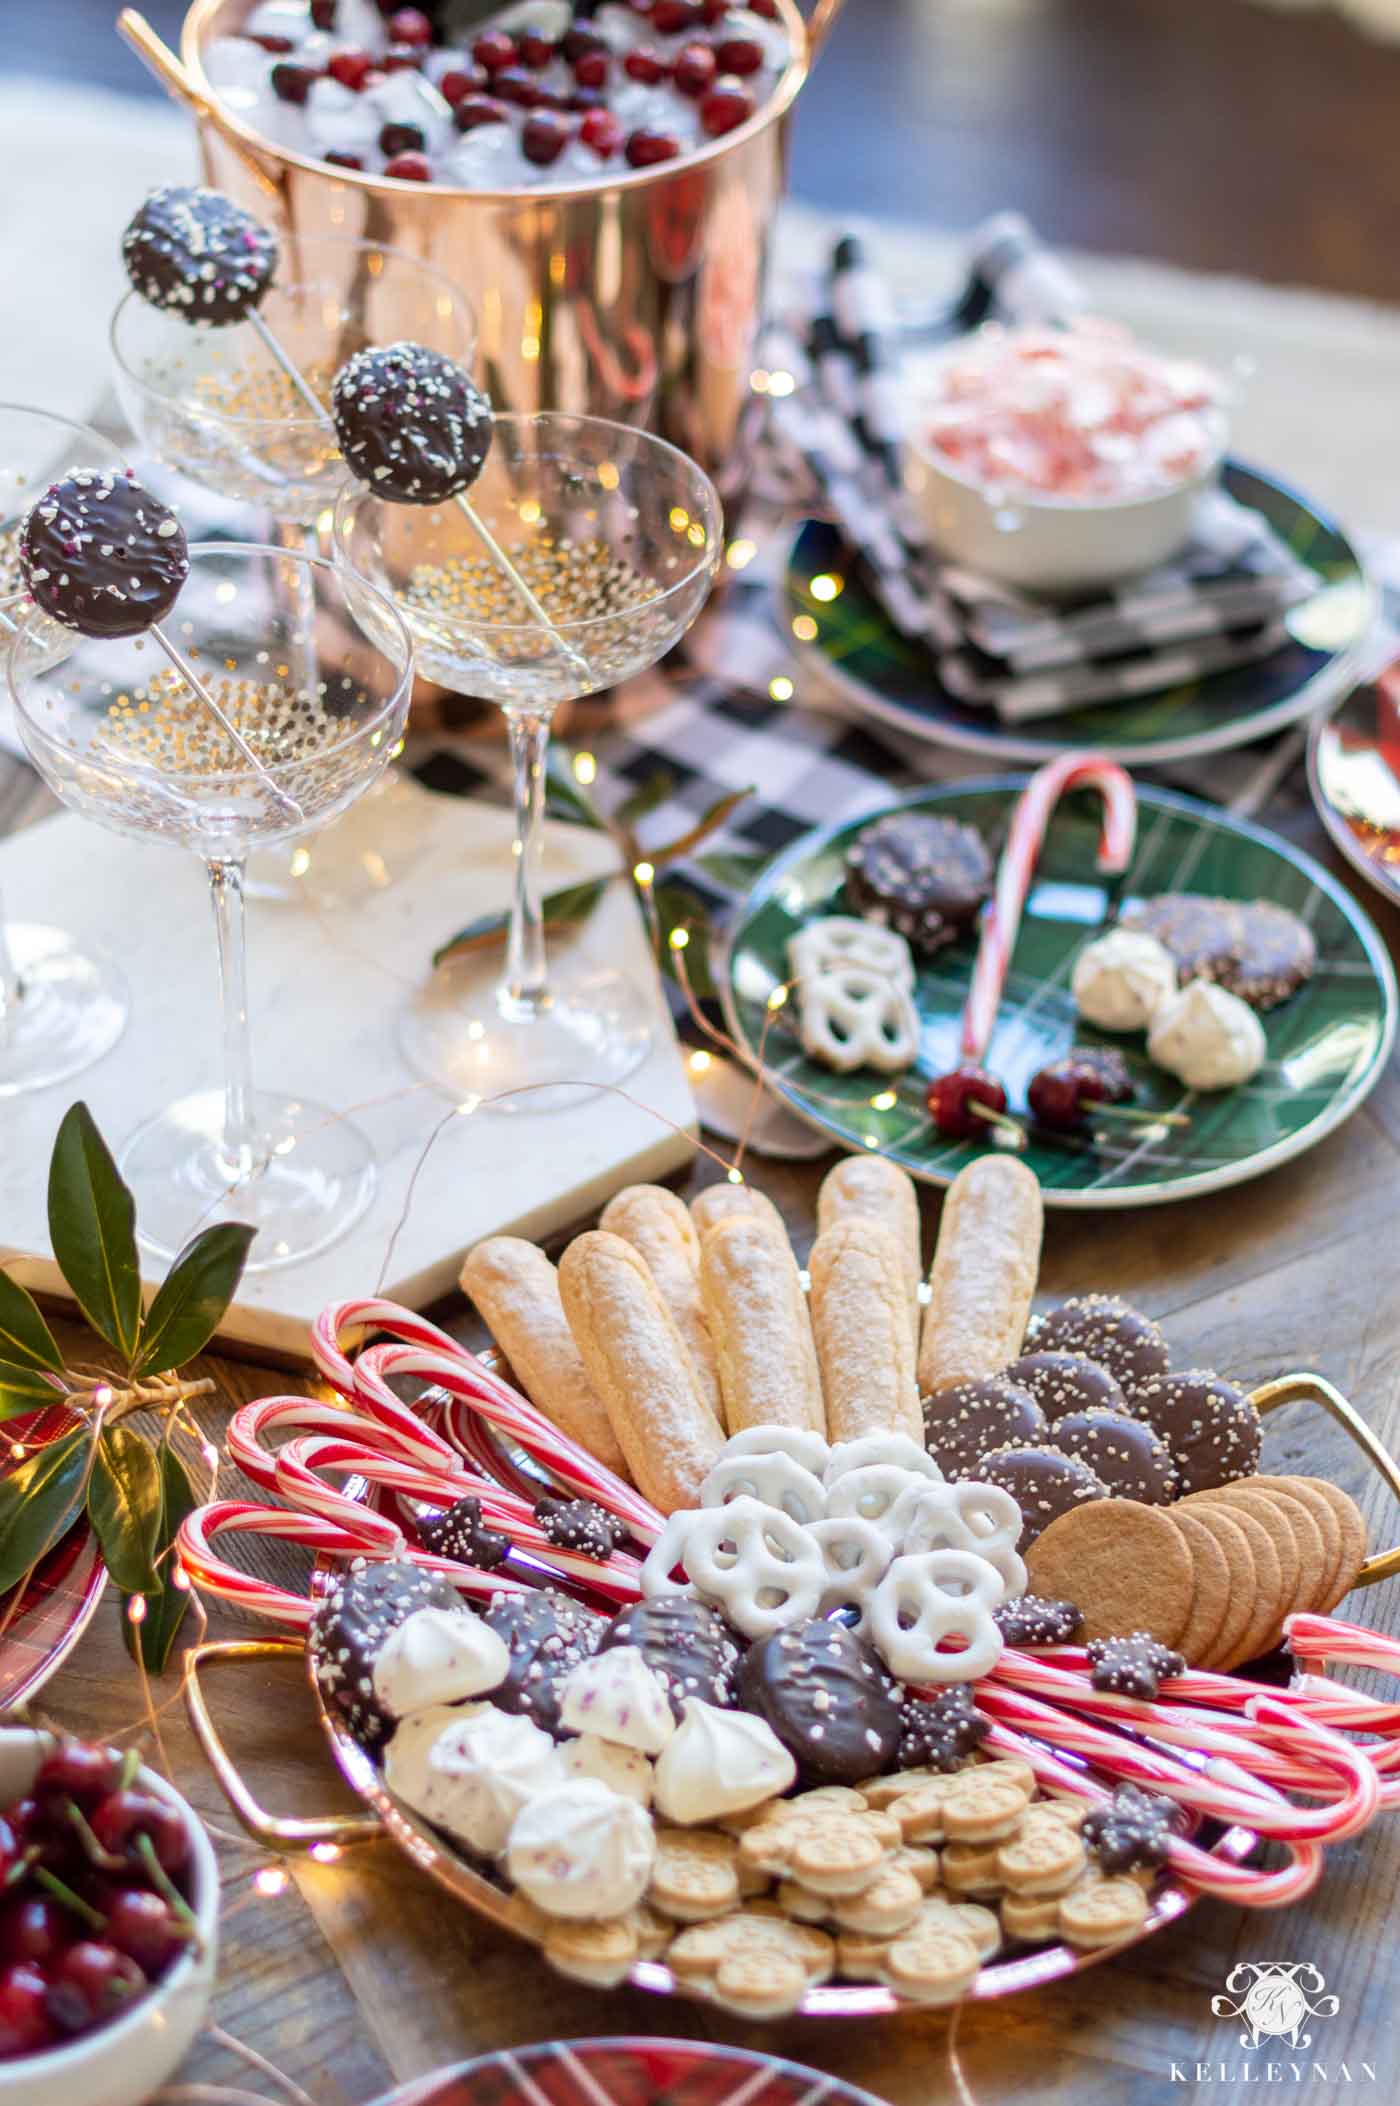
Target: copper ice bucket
(637, 297)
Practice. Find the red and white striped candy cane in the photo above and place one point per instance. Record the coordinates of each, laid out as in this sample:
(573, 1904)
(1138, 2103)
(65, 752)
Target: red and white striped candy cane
(214, 1575)
(1002, 919)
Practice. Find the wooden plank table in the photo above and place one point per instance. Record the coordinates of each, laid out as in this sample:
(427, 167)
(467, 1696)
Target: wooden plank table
(360, 1973)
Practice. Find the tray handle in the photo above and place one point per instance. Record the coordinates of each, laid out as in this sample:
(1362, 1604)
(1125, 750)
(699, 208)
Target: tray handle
(1291, 1389)
(277, 1831)
(819, 25)
(174, 77)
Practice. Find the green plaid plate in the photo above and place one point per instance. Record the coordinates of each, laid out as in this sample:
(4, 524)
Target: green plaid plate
(1327, 1046)
(888, 676)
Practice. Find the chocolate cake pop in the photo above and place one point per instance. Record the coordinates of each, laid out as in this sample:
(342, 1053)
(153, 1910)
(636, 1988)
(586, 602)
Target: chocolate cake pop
(198, 255)
(101, 555)
(411, 424)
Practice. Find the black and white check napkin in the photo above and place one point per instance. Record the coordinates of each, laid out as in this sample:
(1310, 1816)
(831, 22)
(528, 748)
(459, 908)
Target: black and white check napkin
(1220, 603)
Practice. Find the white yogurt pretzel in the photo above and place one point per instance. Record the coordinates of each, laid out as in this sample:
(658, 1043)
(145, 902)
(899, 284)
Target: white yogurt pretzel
(834, 940)
(757, 1563)
(896, 1448)
(855, 1018)
(873, 1493)
(926, 1598)
(775, 1479)
(804, 1446)
(962, 1516)
(857, 1556)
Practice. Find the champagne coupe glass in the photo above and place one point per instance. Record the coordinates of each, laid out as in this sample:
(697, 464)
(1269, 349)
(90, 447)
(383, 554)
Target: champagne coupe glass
(60, 1010)
(215, 405)
(314, 668)
(618, 535)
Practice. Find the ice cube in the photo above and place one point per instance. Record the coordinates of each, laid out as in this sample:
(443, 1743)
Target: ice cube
(237, 69)
(280, 18)
(406, 98)
(339, 121)
(548, 18)
(771, 37)
(359, 26)
(488, 158)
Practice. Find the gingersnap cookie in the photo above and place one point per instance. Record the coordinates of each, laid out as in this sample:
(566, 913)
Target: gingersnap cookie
(963, 1423)
(1351, 1548)
(1211, 1599)
(1284, 1516)
(1064, 1382)
(1229, 1529)
(1308, 1492)
(1274, 1522)
(1101, 1910)
(1043, 1482)
(1127, 1564)
(1276, 954)
(1106, 1329)
(1124, 1453)
(920, 874)
(1263, 1603)
(1209, 1425)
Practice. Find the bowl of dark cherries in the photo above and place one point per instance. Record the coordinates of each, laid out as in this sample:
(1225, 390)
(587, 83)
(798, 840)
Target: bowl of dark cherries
(109, 1904)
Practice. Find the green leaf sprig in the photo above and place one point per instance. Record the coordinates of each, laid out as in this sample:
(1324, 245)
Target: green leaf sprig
(135, 1489)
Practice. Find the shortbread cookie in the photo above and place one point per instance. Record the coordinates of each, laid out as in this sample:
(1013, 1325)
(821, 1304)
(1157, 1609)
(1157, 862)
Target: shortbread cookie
(838, 1855)
(970, 1917)
(884, 1908)
(658, 1224)
(860, 1323)
(695, 1876)
(985, 1803)
(872, 1188)
(639, 1366)
(970, 1871)
(1043, 1857)
(516, 1289)
(1126, 1565)
(758, 1318)
(1102, 1911)
(759, 1984)
(696, 1954)
(1030, 1919)
(932, 1964)
(984, 1273)
(600, 1954)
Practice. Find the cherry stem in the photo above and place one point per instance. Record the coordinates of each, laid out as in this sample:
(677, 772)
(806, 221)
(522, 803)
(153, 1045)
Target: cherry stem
(1135, 1114)
(131, 1763)
(160, 1879)
(1000, 1119)
(103, 1859)
(62, 1892)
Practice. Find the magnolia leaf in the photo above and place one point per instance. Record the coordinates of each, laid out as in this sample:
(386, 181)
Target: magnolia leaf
(734, 870)
(24, 1389)
(151, 1638)
(25, 1339)
(191, 1300)
(92, 1226)
(646, 797)
(572, 903)
(124, 1506)
(564, 797)
(39, 1503)
(705, 825)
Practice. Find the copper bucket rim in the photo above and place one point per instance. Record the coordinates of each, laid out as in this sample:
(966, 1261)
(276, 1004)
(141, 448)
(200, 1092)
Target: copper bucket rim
(270, 158)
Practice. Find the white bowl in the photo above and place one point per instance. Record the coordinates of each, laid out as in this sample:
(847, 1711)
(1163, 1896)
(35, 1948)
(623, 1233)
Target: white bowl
(1056, 545)
(122, 2063)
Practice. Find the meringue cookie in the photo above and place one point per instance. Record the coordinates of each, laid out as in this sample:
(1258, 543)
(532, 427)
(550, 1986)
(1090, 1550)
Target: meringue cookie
(471, 1769)
(1208, 1036)
(616, 1696)
(1122, 979)
(720, 1763)
(438, 1656)
(582, 1850)
(625, 1771)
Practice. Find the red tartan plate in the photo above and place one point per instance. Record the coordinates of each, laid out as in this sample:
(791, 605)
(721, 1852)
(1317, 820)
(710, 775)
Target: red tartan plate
(42, 1621)
(627, 2073)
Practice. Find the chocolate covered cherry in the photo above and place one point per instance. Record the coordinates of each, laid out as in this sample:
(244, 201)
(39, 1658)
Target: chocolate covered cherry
(411, 424)
(101, 555)
(1062, 1095)
(951, 1098)
(196, 253)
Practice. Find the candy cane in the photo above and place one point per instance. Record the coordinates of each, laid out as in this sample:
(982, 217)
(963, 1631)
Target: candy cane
(1002, 919)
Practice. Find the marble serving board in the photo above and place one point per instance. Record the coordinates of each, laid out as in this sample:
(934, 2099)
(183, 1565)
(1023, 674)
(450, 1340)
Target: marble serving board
(327, 983)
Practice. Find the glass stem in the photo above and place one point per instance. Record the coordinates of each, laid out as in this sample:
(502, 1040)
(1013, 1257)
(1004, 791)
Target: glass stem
(226, 896)
(9, 973)
(524, 991)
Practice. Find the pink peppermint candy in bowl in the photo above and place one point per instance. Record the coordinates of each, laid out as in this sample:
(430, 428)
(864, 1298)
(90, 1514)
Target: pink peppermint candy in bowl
(1064, 460)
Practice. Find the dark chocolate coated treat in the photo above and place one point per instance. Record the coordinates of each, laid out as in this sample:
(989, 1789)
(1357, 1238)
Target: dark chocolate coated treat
(921, 875)
(829, 1698)
(939, 1733)
(1110, 1331)
(459, 1532)
(963, 1422)
(1277, 953)
(1209, 1425)
(1133, 1666)
(1034, 1619)
(349, 1626)
(1123, 1451)
(547, 1634)
(1135, 1828)
(101, 555)
(688, 1646)
(1204, 936)
(1043, 1482)
(1064, 1382)
(580, 1524)
(412, 426)
(198, 254)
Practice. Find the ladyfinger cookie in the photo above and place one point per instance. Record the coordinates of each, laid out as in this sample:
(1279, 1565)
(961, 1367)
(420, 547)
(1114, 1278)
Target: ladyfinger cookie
(865, 1343)
(872, 1188)
(983, 1274)
(638, 1364)
(759, 1322)
(516, 1290)
(721, 1202)
(657, 1224)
